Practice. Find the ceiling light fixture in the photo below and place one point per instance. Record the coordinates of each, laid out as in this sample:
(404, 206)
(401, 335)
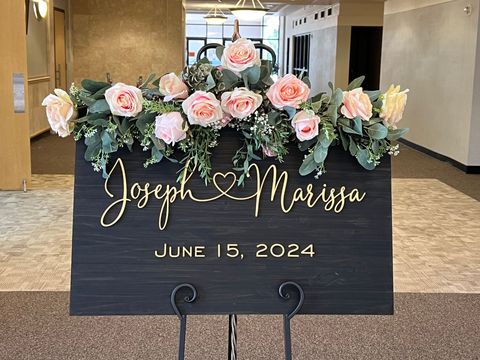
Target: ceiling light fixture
(40, 9)
(243, 12)
(215, 16)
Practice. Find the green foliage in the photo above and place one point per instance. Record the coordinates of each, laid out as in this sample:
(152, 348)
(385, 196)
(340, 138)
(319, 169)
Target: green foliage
(266, 133)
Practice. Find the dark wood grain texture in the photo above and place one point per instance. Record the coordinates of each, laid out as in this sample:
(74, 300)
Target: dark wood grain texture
(115, 272)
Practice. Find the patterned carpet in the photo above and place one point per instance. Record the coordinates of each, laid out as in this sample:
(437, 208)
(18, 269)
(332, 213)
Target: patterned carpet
(436, 232)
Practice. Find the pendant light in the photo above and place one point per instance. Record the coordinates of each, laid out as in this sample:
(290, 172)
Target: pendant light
(249, 11)
(215, 16)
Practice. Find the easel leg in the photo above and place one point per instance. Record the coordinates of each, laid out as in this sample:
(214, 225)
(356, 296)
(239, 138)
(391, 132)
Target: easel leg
(182, 318)
(287, 317)
(232, 337)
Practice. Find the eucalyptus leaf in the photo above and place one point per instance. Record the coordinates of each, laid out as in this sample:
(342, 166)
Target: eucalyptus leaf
(356, 83)
(373, 95)
(157, 154)
(395, 134)
(353, 148)
(93, 86)
(92, 151)
(219, 51)
(308, 166)
(99, 106)
(357, 125)
(109, 145)
(344, 139)
(320, 154)
(306, 80)
(253, 74)
(290, 111)
(145, 119)
(93, 140)
(362, 158)
(377, 131)
(210, 82)
(305, 145)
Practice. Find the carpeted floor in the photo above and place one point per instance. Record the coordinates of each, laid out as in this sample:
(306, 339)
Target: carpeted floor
(36, 325)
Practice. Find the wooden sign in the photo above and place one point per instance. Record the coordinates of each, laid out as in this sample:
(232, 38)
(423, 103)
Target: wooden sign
(140, 234)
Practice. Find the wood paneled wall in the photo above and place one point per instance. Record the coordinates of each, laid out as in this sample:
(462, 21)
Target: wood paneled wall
(38, 89)
(15, 144)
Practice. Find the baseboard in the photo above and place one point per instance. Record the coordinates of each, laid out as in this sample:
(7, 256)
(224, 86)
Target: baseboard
(468, 169)
(39, 133)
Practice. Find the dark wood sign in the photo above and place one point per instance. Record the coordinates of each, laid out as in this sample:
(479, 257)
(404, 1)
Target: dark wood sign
(235, 245)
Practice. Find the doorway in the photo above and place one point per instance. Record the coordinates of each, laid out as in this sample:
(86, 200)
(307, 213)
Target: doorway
(366, 55)
(60, 48)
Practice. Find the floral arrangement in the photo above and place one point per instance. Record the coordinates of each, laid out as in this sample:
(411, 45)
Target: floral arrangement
(180, 118)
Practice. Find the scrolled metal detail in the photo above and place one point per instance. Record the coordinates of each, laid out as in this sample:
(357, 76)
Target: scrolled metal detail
(187, 299)
(286, 296)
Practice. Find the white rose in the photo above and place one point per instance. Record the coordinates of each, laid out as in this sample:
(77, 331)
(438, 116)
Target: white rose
(60, 110)
(394, 102)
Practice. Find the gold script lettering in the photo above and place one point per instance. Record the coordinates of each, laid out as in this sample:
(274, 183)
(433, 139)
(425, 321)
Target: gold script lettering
(332, 199)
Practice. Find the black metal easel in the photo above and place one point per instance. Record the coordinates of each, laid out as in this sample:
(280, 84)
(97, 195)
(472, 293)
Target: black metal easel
(232, 319)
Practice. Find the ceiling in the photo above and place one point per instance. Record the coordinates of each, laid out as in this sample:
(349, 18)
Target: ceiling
(273, 5)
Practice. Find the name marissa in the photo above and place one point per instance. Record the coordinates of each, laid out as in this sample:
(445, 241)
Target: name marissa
(332, 199)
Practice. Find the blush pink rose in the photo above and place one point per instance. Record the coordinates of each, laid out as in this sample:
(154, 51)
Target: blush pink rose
(356, 104)
(60, 111)
(268, 152)
(124, 100)
(240, 55)
(306, 125)
(170, 127)
(241, 102)
(172, 87)
(288, 91)
(202, 108)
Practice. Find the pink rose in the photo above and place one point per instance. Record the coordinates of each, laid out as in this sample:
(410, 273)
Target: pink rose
(305, 124)
(288, 91)
(124, 100)
(202, 108)
(268, 152)
(241, 102)
(172, 87)
(240, 55)
(170, 127)
(60, 110)
(356, 104)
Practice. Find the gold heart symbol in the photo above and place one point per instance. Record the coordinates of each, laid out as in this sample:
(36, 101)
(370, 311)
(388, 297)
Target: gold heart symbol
(229, 174)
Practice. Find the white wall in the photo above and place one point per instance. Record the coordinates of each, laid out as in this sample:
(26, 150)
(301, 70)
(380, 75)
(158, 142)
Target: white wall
(431, 47)
(323, 42)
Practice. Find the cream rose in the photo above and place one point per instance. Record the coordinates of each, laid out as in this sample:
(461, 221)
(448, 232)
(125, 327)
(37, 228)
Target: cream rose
(241, 102)
(202, 108)
(170, 127)
(305, 124)
(240, 55)
(124, 100)
(356, 104)
(394, 102)
(288, 91)
(172, 87)
(60, 110)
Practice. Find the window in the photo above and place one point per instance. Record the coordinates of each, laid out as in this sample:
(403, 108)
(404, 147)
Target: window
(316, 16)
(330, 11)
(199, 33)
(301, 54)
